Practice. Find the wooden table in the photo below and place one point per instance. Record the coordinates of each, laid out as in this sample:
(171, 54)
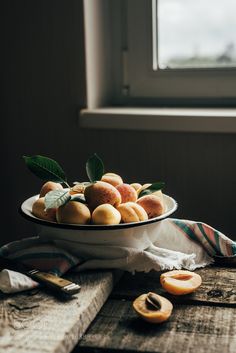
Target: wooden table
(204, 322)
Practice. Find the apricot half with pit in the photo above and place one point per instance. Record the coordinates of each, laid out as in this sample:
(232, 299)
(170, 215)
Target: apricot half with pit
(180, 282)
(153, 307)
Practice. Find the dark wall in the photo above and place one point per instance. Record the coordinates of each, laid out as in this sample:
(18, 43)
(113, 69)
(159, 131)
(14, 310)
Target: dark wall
(43, 80)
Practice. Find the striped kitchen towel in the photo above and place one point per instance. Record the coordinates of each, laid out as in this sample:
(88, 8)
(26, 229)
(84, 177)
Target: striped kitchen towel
(178, 244)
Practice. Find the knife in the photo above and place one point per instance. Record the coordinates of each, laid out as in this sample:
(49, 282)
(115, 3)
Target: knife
(57, 284)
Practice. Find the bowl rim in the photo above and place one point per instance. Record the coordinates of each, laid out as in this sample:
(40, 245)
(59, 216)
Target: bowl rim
(30, 217)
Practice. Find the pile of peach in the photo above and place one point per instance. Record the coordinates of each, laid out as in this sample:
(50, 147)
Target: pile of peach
(155, 308)
(108, 201)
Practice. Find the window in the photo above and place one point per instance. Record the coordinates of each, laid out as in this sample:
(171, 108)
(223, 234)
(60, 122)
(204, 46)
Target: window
(178, 51)
(132, 62)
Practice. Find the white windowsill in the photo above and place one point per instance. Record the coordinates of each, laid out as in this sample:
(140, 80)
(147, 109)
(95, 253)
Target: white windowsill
(216, 120)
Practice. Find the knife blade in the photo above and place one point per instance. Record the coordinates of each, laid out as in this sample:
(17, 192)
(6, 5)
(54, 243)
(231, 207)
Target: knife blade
(58, 284)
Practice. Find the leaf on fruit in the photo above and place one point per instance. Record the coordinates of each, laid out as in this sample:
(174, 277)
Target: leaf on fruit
(152, 188)
(56, 198)
(45, 168)
(94, 168)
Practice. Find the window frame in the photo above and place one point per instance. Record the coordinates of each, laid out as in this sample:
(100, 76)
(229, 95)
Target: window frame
(143, 86)
(109, 104)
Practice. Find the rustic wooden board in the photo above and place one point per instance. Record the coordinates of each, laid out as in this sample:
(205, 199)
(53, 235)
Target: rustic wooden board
(38, 322)
(219, 286)
(190, 329)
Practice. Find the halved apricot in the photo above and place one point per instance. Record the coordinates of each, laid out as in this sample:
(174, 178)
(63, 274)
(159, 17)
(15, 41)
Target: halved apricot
(180, 282)
(153, 307)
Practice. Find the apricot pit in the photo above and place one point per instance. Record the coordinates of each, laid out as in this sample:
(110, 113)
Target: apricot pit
(153, 308)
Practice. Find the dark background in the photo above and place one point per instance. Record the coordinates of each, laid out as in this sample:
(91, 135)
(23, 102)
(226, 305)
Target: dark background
(43, 89)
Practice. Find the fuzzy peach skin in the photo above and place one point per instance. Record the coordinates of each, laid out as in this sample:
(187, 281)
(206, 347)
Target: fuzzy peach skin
(157, 193)
(77, 189)
(132, 212)
(106, 214)
(38, 210)
(100, 193)
(136, 187)
(180, 282)
(152, 205)
(73, 212)
(128, 193)
(150, 314)
(112, 178)
(49, 186)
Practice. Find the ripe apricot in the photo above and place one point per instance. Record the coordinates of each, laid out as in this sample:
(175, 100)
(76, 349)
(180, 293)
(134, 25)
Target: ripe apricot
(100, 193)
(136, 187)
(157, 192)
(106, 214)
(112, 178)
(49, 186)
(180, 282)
(77, 189)
(73, 212)
(153, 307)
(152, 205)
(132, 212)
(38, 210)
(128, 193)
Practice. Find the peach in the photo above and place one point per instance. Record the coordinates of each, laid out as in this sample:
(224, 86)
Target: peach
(112, 178)
(157, 193)
(100, 193)
(152, 205)
(77, 189)
(136, 187)
(49, 186)
(38, 210)
(153, 307)
(132, 212)
(106, 214)
(180, 282)
(73, 212)
(128, 193)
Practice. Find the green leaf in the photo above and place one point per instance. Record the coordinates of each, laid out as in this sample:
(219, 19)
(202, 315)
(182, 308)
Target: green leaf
(45, 168)
(56, 198)
(152, 188)
(94, 168)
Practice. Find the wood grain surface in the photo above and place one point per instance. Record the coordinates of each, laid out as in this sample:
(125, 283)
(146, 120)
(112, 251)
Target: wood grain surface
(203, 322)
(35, 321)
(218, 286)
(204, 329)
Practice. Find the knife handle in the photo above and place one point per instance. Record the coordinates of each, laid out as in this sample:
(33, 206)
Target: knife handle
(57, 283)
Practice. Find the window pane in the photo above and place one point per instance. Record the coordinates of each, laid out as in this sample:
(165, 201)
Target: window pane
(196, 34)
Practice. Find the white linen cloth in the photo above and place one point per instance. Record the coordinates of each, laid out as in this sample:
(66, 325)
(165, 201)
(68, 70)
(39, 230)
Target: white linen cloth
(178, 244)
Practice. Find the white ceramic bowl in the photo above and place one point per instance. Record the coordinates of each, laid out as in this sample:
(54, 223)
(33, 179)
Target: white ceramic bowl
(136, 234)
